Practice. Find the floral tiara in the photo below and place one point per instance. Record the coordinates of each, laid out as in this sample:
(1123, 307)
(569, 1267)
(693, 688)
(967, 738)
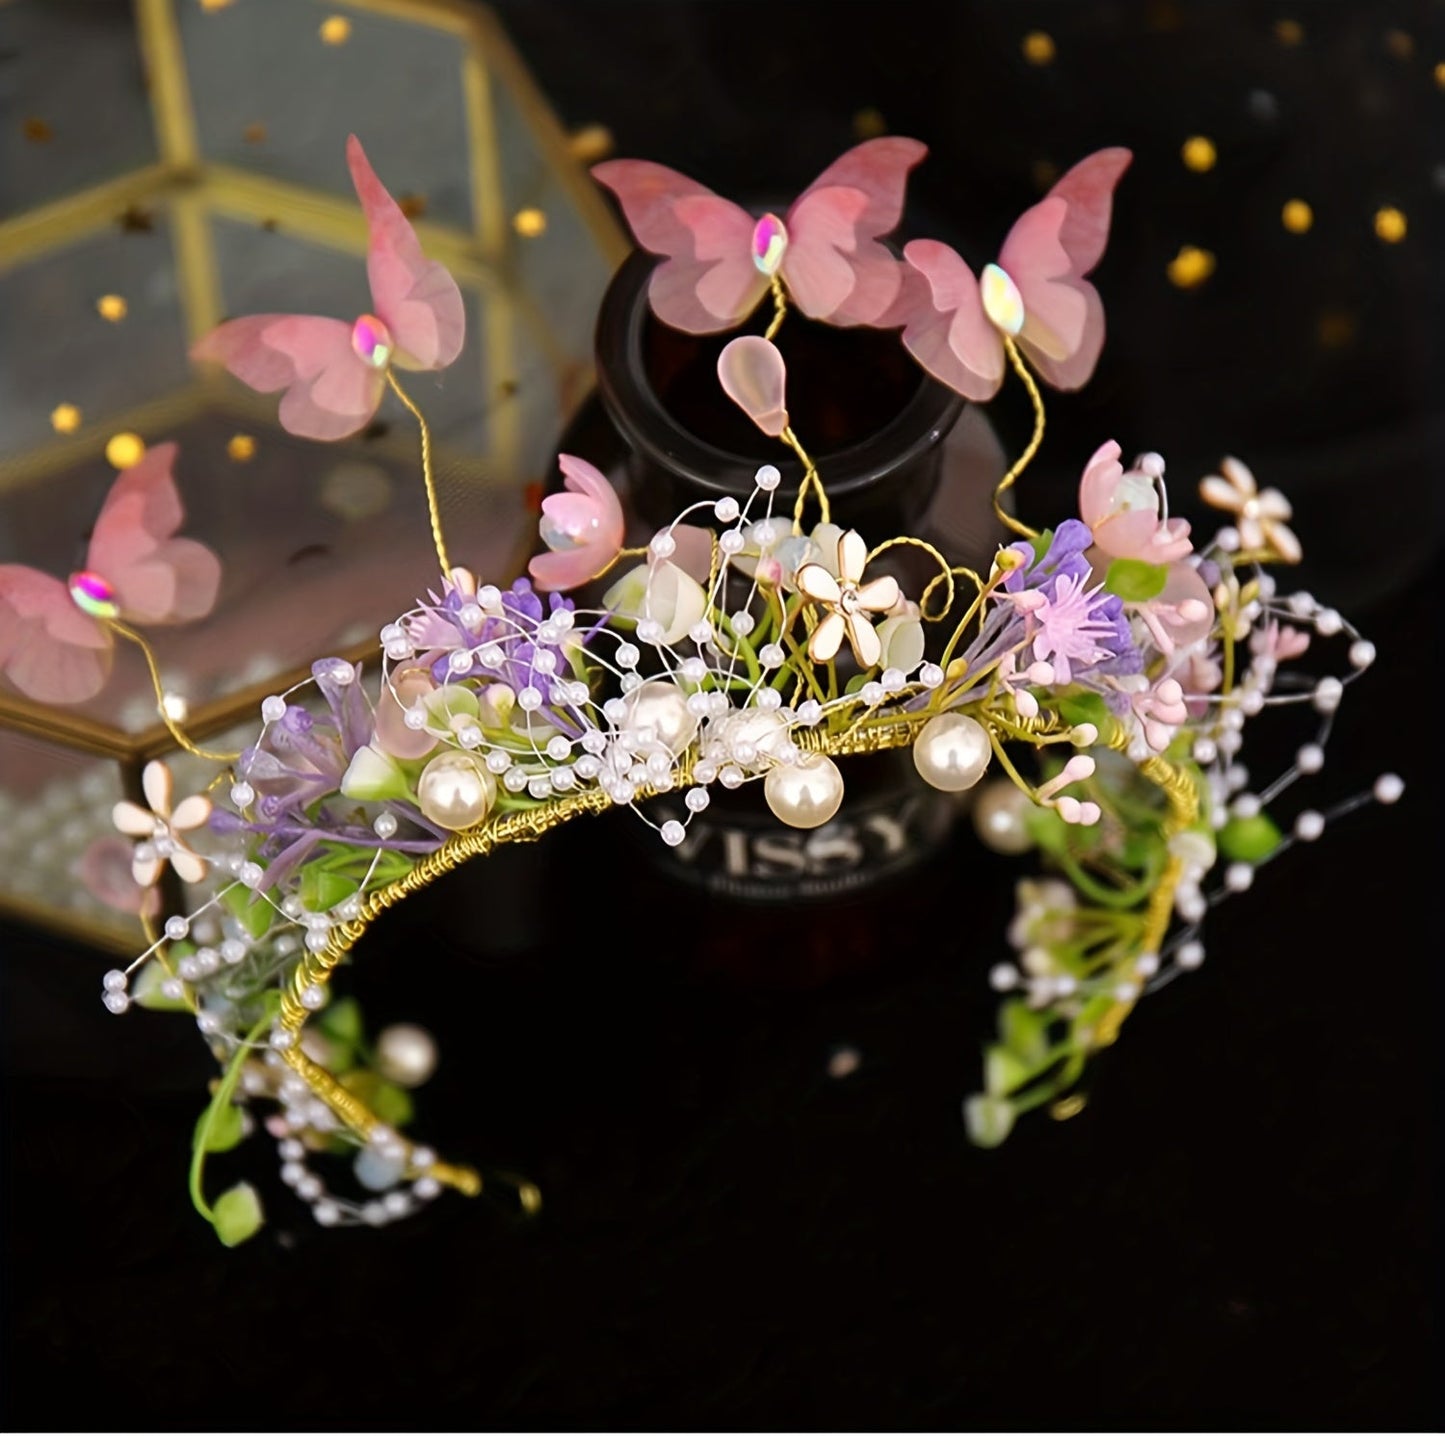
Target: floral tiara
(1093, 684)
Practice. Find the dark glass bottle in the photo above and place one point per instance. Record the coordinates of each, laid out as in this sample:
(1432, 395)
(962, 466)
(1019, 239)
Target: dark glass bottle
(899, 454)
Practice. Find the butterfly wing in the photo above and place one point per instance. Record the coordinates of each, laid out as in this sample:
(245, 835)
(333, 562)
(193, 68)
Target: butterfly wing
(1049, 251)
(330, 391)
(944, 324)
(157, 576)
(834, 266)
(417, 298)
(707, 281)
(49, 648)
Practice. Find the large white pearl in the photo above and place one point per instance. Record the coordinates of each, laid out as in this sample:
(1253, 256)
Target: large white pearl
(807, 793)
(998, 815)
(455, 790)
(662, 706)
(952, 752)
(406, 1054)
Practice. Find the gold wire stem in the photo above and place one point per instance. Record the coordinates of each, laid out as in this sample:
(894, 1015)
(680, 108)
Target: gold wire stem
(433, 506)
(1016, 471)
(780, 309)
(811, 481)
(945, 574)
(182, 740)
(530, 824)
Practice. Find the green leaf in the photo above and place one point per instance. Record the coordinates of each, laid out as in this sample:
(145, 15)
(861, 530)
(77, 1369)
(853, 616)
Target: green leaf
(1047, 829)
(219, 1129)
(146, 990)
(1135, 581)
(988, 1119)
(1082, 706)
(237, 1215)
(321, 889)
(252, 913)
(1249, 840)
(342, 1022)
(392, 1105)
(1024, 1031)
(1002, 1071)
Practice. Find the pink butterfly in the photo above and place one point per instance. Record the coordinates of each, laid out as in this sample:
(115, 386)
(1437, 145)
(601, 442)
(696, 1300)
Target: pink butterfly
(721, 261)
(954, 324)
(54, 645)
(334, 372)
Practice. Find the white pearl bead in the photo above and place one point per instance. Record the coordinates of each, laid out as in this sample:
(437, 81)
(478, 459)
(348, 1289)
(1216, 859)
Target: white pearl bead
(771, 655)
(117, 1002)
(1327, 694)
(998, 817)
(663, 545)
(662, 707)
(455, 791)
(1003, 976)
(406, 1054)
(930, 674)
(1328, 622)
(177, 927)
(1362, 653)
(1309, 825)
(673, 832)
(1389, 788)
(725, 509)
(273, 709)
(243, 795)
(1238, 877)
(810, 712)
(1190, 955)
(805, 794)
(1310, 758)
(385, 825)
(952, 752)
(115, 981)
(767, 478)
(529, 699)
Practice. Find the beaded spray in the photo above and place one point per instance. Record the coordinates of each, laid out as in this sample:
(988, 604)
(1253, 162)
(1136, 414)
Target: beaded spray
(1104, 670)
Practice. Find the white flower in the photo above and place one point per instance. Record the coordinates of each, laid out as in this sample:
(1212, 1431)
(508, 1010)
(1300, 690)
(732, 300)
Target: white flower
(846, 601)
(162, 827)
(1261, 515)
(662, 593)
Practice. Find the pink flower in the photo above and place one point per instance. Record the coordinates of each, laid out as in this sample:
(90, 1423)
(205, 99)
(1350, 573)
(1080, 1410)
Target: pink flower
(406, 687)
(1182, 614)
(1121, 509)
(1279, 643)
(1159, 711)
(582, 527)
(1068, 625)
(105, 869)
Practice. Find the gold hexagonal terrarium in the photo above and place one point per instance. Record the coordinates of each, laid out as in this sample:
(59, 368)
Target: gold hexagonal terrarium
(185, 163)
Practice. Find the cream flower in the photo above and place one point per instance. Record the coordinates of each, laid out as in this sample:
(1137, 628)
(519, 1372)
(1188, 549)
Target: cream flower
(1261, 514)
(846, 601)
(162, 828)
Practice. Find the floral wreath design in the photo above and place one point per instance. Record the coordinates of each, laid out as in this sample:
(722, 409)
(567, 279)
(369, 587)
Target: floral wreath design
(1094, 686)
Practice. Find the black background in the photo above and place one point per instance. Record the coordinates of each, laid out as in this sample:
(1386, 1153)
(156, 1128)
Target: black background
(1241, 1230)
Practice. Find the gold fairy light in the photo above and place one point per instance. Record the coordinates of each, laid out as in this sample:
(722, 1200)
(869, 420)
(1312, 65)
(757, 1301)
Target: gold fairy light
(1191, 268)
(335, 30)
(869, 123)
(124, 450)
(1289, 32)
(530, 222)
(589, 144)
(65, 418)
(1199, 153)
(1297, 216)
(112, 307)
(1039, 48)
(241, 448)
(1390, 224)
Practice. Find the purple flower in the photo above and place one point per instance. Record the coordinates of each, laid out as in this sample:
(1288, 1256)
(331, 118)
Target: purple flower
(1073, 628)
(1064, 557)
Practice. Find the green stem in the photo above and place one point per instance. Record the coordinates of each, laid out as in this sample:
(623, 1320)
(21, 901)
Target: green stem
(224, 1090)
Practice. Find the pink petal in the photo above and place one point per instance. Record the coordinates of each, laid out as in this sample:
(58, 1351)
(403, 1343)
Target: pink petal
(408, 685)
(944, 326)
(693, 551)
(752, 373)
(562, 571)
(1097, 486)
(416, 298)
